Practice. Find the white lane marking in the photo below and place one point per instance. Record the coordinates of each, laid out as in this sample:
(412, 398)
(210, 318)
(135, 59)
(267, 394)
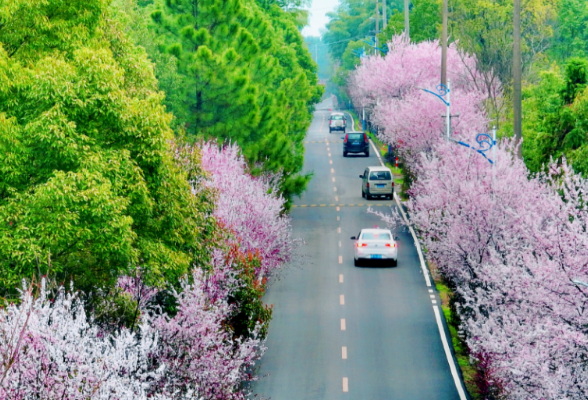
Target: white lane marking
(434, 301)
(430, 290)
(344, 353)
(340, 278)
(345, 385)
(342, 300)
(338, 209)
(333, 179)
(339, 230)
(332, 171)
(418, 247)
(330, 161)
(335, 188)
(329, 154)
(337, 218)
(340, 259)
(339, 243)
(342, 324)
(352, 122)
(452, 367)
(432, 296)
(337, 200)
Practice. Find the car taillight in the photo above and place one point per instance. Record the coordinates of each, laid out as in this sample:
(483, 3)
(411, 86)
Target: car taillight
(362, 245)
(390, 245)
(346, 138)
(368, 185)
(365, 137)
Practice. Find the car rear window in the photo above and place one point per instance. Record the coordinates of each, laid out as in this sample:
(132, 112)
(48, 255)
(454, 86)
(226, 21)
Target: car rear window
(380, 176)
(355, 136)
(337, 117)
(375, 236)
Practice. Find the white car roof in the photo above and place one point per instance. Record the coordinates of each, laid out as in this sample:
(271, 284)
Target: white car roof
(337, 113)
(378, 168)
(376, 230)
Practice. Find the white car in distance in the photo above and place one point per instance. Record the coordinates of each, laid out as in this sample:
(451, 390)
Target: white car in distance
(375, 244)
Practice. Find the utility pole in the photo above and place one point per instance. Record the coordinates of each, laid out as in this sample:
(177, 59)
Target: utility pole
(384, 18)
(517, 75)
(406, 19)
(444, 46)
(377, 25)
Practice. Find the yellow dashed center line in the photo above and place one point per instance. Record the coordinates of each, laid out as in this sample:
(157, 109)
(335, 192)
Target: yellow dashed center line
(341, 205)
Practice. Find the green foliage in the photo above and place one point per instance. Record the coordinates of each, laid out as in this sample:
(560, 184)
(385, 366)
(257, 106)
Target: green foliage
(571, 36)
(556, 117)
(89, 187)
(353, 20)
(237, 70)
(251, 309)
(424, 18)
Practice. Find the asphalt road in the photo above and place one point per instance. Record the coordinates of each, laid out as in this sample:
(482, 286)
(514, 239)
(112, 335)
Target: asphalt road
(345, 332)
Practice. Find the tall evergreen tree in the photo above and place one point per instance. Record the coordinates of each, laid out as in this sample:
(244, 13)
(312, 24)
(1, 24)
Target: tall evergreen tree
(245, 76)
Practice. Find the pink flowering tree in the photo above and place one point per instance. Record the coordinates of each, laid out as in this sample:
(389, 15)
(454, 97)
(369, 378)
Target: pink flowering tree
(392, 86)
(249, 207)
(509, 244)
(202, 357)
(49, 349)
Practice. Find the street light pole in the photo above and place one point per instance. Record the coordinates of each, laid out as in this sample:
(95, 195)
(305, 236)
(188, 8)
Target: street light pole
(444, 46)
(384, 18)
(517, 75)
(377, 26)
(406, 19)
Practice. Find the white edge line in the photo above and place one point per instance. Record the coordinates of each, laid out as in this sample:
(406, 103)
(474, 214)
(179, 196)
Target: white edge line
(352, 121)
(442, 333)
(454, 373)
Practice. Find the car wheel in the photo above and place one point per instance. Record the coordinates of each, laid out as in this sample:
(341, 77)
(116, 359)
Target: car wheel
(362, 194)
(356, 262)
(394, 263)
(344, 154)
(368, 196)
(367, 153)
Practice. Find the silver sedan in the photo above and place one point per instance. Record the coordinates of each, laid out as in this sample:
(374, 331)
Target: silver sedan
(375, 244)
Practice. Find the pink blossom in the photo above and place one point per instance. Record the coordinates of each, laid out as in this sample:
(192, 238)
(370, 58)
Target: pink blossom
(250, 207)
(510, 244)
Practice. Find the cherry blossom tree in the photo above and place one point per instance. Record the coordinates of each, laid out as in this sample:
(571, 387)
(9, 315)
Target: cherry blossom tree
(249, 207)
(510, 244)
(50, 350)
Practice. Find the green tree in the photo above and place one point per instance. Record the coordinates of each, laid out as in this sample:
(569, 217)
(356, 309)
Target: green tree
(424, 18)
(571, 36)
(556, 117)
(89, 188)
(234, 70)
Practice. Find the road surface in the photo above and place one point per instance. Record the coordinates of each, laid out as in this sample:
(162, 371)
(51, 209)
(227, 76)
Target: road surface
(345, 332)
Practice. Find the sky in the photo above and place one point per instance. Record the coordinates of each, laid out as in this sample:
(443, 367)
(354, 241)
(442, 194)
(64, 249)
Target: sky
(318, 19)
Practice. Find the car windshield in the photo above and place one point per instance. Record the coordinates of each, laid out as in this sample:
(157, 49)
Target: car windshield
(337, 117)
(375, 236)
(355, 136)
(380, 176)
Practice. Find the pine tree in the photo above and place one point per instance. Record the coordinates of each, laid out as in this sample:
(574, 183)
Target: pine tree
(246, 77)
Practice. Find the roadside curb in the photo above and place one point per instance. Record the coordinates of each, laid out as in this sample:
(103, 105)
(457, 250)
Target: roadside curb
(441, 322)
